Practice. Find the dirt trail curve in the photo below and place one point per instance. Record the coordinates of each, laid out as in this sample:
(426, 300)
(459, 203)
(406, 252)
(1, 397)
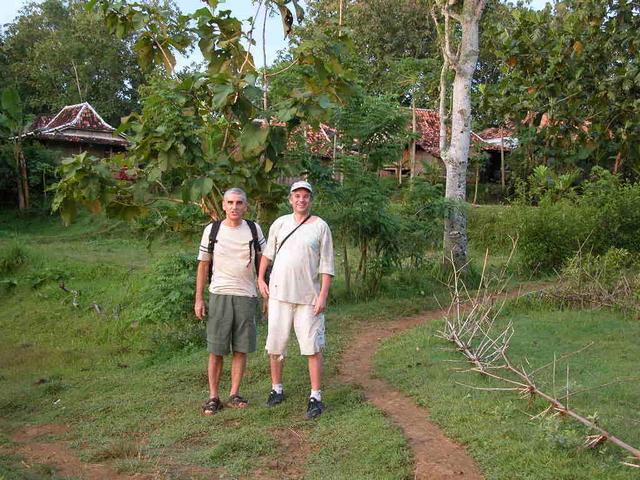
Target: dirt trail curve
(436, 456)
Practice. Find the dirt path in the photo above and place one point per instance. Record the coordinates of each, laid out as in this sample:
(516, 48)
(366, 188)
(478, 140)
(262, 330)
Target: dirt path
(35, 446)
(436, 456)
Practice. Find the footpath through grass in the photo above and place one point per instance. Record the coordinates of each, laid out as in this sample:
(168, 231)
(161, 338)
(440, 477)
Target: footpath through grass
(496, 426)
(125, 372)
(130, 388)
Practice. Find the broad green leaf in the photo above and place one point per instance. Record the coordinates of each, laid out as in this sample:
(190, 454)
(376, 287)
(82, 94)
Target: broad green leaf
(90, 5)
(68, 211)
(185, 192)
(154, 174)
(94, 206)
(253, 139)
(125, 212)
(221, 93)
(201, 187)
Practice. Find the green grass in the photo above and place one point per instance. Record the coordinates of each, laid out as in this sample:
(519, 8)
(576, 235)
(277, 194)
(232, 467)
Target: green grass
(496, 426)
(130, 382)
(130, 390)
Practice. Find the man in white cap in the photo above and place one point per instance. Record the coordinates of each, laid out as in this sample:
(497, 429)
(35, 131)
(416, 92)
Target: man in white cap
(300, 248)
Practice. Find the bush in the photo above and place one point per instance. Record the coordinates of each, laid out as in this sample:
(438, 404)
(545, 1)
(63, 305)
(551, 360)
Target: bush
(169, 289)
(183, 334)
(491, 226)
(606, 215)
(552, 232)
(12, 257)
(609, 280)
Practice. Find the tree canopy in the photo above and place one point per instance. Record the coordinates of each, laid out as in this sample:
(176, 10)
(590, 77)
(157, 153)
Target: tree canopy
(56, 53)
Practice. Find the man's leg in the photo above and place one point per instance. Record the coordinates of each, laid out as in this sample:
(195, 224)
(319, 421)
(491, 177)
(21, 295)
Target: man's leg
(315, 370)
(280, 320)
(238, 366)
(276, 362)
(218, 334)
(310, 332)
(214, 370)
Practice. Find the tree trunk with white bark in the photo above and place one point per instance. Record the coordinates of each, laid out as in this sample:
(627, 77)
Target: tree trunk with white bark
(455, 140)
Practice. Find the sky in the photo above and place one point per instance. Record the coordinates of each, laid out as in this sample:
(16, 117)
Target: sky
(242, 9)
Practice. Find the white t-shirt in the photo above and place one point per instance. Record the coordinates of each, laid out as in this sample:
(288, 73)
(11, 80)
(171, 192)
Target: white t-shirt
(301, 261)
(233, 265)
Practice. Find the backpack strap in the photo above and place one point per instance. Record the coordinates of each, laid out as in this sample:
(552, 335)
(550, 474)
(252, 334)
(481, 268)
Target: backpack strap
(213, 235)
(257, 249)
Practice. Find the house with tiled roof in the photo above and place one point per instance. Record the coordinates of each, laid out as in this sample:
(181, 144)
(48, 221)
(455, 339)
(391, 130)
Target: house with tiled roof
(75, 129)
(496, 142)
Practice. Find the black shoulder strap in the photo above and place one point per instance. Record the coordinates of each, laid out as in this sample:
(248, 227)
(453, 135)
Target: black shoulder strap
(291, 233)
(213, 235)
(257, 249)
(254, 235)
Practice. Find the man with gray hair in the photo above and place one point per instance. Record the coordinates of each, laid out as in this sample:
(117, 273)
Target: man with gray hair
(232, 248)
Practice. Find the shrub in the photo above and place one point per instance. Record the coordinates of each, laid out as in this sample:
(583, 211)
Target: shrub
(491, 226)
(168, 291)
(553, 232)
(609, 280)
(606, 215)
(182, 334)
(12, 257)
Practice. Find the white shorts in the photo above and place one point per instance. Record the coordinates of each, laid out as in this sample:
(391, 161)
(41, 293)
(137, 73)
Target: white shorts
(309, 328)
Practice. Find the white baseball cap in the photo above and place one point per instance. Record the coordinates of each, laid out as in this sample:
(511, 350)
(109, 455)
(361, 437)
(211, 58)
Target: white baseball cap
(301, 184)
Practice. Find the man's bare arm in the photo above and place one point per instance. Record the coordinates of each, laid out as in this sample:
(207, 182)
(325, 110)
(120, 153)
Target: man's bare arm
(201, 279)
(321, 301)
(262, 271)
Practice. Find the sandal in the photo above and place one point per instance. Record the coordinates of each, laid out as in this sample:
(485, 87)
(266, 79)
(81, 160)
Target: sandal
(213, 405)
(236, 401)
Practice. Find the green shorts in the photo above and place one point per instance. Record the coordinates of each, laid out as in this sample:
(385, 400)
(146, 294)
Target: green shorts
(232, 324)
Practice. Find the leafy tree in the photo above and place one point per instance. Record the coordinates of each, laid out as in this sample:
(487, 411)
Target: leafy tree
(374, 127)
(13, 124)
(56, 53)
(349, 207)
(202, 132)
(394, 43)
(570, 83)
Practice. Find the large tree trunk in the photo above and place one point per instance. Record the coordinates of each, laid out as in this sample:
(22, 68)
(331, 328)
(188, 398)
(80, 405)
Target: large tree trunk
(455, 152)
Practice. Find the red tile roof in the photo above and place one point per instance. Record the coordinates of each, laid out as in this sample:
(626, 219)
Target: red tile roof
(64, 126)
(496, 138)
(428, 125)
(40, 122)
(320, 141)
(82, 116)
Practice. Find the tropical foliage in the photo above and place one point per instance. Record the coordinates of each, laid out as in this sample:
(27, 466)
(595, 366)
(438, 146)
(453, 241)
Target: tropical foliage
(224, 136)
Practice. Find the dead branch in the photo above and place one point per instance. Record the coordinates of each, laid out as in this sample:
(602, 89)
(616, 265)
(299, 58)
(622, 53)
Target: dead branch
(471, 328)
(75, 293)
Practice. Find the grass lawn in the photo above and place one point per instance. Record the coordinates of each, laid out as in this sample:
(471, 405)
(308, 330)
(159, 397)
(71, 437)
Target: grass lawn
(128, 382)
(130, 392)
(496, 427)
